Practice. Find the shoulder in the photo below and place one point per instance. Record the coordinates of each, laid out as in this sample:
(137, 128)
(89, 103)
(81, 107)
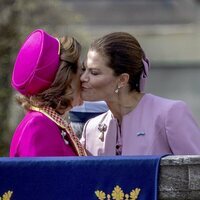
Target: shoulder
(36, 128)
(37, 118)
(163, 103)
(174, 112)
(36, 122)
(162, 109)
(36, 135)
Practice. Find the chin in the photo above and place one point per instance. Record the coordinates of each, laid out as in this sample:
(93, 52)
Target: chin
(85, 98)
(89, 97)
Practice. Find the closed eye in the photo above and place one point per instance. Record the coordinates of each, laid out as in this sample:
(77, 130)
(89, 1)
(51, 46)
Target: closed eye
(94, 72)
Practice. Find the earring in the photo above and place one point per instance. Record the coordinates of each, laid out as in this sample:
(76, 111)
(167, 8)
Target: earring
(117, 90)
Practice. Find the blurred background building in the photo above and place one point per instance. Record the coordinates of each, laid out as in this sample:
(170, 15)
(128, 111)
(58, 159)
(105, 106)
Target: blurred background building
(168, 30)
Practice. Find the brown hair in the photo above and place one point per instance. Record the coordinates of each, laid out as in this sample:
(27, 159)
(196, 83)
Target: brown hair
(59, 94)
(124, 55)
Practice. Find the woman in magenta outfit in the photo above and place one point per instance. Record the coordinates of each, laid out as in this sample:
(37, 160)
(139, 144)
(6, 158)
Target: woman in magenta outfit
(137, 123)
(47, 76)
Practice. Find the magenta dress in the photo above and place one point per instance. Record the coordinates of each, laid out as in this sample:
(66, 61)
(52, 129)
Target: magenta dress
(37, 135)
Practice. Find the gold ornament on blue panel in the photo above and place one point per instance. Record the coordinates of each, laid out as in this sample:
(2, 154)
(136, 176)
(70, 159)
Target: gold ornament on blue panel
(118, 194)
(7, 195)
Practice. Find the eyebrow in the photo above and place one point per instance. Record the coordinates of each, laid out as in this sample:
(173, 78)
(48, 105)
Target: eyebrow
(85, 66)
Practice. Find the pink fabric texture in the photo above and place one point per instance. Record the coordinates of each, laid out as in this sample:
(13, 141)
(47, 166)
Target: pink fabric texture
(156, 126)
(36, 64)
(38, 136)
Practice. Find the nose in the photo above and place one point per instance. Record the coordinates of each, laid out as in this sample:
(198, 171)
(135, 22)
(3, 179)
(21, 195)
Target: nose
(84, 77)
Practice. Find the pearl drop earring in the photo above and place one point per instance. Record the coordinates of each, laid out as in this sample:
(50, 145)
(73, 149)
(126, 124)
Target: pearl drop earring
(117, 90)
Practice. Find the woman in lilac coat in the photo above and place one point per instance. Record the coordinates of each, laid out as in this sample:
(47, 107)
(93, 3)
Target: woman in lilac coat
(46, 76)
(137, 123)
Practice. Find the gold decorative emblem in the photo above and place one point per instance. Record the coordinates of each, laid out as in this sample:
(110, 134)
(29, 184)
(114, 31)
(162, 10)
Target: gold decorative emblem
(6, 195)
(118, 194)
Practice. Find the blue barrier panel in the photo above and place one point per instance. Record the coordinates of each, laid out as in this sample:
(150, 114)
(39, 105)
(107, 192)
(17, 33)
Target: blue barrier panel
(84, 178)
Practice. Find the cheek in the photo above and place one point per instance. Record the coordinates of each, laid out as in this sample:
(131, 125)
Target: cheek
(102, 83)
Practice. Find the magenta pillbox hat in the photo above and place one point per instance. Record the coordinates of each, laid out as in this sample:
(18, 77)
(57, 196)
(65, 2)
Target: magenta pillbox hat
(36, 64)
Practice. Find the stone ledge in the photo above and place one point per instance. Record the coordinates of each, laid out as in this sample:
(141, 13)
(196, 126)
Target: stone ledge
(179, 178)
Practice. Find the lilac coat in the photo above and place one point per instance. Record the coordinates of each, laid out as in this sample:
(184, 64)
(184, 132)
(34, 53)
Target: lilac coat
(37, 135)
(156, 126)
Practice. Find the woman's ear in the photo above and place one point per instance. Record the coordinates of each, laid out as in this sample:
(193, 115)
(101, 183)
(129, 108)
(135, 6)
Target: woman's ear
(123, 80)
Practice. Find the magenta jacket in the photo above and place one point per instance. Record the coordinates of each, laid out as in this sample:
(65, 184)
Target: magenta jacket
(156, 126)
(37, 135)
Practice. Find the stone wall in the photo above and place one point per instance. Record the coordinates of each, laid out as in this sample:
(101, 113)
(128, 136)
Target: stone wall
(179, 178)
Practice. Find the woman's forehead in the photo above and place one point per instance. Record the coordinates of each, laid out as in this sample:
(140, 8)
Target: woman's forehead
(94, 58)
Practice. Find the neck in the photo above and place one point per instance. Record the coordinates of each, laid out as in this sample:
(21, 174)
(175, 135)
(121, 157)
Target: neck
(124, 104)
